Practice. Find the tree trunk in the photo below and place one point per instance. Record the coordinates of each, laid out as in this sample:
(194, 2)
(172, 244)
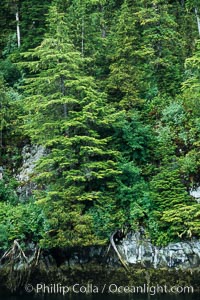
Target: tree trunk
(124, 264)
(1, 135)
(103, 26)
(198, 19)
(18, 28)
(82, 37)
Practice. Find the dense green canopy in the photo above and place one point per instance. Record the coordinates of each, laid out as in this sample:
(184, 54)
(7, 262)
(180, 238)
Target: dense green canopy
(111, 92)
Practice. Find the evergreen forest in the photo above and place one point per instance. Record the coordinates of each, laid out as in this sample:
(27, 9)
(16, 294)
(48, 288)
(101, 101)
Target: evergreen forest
(111, 91)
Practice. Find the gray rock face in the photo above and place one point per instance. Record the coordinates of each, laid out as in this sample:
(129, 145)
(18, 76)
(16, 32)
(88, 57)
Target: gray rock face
(196, 194)
(138, 250)
(30, 154)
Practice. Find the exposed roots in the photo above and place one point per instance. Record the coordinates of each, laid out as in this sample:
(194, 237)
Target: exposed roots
(112, 242)
(18, 266)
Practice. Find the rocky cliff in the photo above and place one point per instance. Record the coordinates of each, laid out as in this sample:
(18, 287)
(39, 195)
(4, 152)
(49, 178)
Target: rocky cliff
(138, 250)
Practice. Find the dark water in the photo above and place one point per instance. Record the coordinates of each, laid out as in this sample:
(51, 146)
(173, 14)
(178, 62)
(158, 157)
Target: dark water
(102, 297)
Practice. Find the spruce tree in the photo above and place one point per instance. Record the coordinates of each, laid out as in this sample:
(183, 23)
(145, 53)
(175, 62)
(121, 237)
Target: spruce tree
(191, 86)
(89, 25)
(10, 132)
(33, 22)
(146, 55)
(69, 116)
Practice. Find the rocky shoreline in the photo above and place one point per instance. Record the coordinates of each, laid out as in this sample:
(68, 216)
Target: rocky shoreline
(95, 266)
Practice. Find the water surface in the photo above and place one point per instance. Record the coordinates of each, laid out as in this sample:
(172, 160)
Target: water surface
(102, 297)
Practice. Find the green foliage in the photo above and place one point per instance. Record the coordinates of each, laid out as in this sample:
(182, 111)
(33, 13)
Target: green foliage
(10, 132)
(11, 45)
(7, 189)
(7, 24)
(69, 116)
(9, 72)
(128, 206)
(146, 58)
(191, 86)
(102, 93)
(89, 24)
(24, 222)
(167, 189)
(33, 22)
(182, 221)
(169, 198)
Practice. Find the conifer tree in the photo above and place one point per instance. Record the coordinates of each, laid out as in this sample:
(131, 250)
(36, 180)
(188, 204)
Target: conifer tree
(191, 86)
(67, 115)
(6, 23)
(146, 56)
(33, 22)
(10, 132)
(167, 193)
(129, 159)
(190, 97)
(89, 25)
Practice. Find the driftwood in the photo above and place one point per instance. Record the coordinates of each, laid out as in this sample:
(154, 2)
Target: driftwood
(112, 242)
